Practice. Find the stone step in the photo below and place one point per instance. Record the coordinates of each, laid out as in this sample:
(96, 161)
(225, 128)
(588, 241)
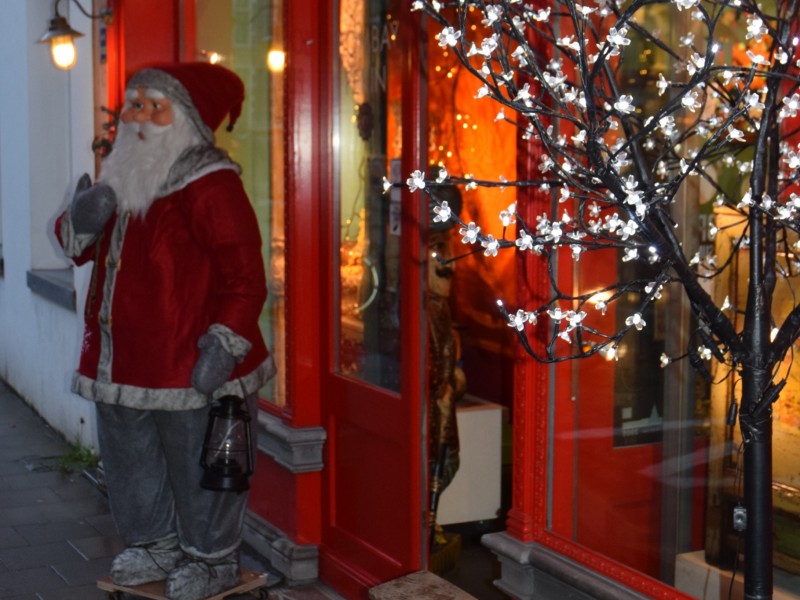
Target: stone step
(414, 586)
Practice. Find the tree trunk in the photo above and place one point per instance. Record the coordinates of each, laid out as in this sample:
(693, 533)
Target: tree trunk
(756, 424)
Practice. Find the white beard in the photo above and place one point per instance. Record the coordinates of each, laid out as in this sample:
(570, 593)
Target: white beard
(141, 158)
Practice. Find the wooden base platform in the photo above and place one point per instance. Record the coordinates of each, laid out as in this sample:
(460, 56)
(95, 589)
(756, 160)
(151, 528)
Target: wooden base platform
(251, 581)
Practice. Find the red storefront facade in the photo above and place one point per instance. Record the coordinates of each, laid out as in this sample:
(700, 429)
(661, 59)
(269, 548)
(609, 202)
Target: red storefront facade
(341, 490)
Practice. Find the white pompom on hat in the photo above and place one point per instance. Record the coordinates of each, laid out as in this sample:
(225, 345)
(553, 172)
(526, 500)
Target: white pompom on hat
(207, 93)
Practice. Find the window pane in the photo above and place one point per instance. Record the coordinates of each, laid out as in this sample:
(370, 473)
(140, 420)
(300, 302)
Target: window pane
(367, 147)
(247, 37)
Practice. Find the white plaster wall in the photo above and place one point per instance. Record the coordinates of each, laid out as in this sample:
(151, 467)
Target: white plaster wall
(45, 144)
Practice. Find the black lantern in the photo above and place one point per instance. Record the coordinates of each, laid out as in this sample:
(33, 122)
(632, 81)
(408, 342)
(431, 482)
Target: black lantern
(227, 456)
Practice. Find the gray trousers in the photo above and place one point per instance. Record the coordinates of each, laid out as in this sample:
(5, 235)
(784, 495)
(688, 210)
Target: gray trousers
(152, 466)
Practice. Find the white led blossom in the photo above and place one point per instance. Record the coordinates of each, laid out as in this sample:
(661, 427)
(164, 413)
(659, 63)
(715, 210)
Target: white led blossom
(520, 319)
(490, 245)
(493, 14)
(448, 37)
(635, 320)
(469, 233)
(442, 212)
(625, 104)
(524, 241)
(507, 217)
(416, 181)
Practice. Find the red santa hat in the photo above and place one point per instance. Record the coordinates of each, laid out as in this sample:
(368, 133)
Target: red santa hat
(207, 93)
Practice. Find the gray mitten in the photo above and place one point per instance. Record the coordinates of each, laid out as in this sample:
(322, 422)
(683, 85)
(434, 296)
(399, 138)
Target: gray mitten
(92, 205)
(214, 365)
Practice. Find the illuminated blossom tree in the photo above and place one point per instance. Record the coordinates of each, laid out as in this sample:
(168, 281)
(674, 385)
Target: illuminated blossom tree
(616, 165)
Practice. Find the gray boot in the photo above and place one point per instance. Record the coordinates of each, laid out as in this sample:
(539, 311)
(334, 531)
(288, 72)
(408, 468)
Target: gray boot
(146, 563)
(196, 578)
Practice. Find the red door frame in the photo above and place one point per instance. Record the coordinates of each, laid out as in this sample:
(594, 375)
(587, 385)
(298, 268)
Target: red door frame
(292, 501)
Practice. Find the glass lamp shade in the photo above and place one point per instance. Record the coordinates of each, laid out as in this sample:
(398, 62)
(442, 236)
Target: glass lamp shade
(62, 51)
(227, 457)
(61, 38)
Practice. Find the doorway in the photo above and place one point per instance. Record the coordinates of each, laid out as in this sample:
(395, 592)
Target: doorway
(470, 350)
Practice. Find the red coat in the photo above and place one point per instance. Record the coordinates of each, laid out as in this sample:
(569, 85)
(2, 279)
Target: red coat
(192, 261)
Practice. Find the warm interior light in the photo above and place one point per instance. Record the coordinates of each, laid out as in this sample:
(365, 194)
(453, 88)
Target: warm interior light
(62, 50)
(276, 60)
(599, 297)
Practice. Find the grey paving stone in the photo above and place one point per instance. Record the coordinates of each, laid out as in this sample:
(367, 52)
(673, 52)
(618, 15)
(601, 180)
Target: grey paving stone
(40, 479)
(17, 498)
(40, 555)
(24, 515)
(11, 467)
(98, 547)
(76, 510)
(40, 446)
(37, 462)
(17, 413)
(53, 532)
(10, 538)
(103, 523)
(18, 423)
(76, 487)
(84, 592)
(29, 581)
(21, 439)
(83, 572)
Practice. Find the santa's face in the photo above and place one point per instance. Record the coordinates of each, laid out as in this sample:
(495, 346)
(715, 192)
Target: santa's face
(152, 134)
(148, 106)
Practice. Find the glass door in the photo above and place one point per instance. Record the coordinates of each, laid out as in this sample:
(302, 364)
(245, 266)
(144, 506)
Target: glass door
(373, 393)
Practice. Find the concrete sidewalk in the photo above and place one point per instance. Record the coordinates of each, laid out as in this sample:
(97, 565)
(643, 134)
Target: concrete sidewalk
(57, 536)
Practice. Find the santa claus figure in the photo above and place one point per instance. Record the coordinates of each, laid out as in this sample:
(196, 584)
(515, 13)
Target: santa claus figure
(171, 322)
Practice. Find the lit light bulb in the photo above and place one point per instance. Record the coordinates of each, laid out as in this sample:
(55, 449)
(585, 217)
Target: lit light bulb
(62, 50)
(276, 60)
(61, 38)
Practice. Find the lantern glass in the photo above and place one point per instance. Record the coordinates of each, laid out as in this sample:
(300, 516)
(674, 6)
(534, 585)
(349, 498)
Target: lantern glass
(62, 51)
(227, 457)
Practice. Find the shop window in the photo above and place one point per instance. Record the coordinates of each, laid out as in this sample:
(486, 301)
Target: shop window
(246, 36)
(646, 469)
(368, 140)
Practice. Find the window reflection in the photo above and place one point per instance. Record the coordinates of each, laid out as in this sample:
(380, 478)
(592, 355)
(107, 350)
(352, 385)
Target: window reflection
(246, 36)
(367, 147)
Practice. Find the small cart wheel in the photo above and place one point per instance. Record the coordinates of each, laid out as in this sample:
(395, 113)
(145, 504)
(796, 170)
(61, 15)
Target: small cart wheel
(115, 596)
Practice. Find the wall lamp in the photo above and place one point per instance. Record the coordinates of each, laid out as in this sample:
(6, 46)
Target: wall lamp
(60, 35)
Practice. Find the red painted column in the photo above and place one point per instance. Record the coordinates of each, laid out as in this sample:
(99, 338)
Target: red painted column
(291, 501)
